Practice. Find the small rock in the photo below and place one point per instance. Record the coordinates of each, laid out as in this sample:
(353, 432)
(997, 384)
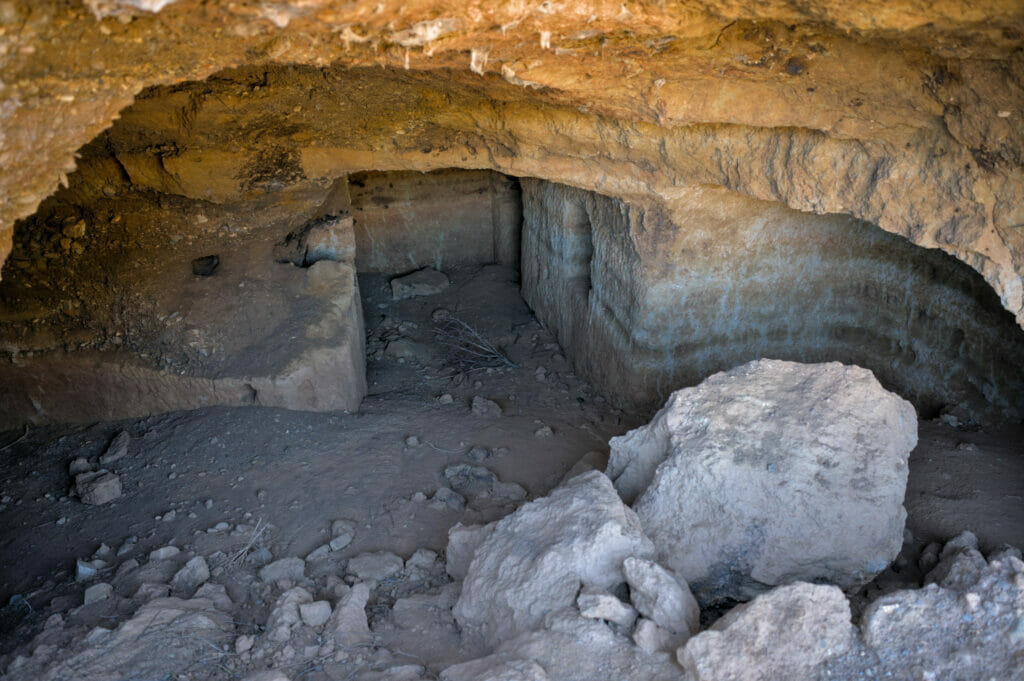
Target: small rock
(191, 576)
(543, 431)
(376, 566)
(445, 496)
(418, 497)
(479, 454)
(79, 465)
(348, 621)
(170, 515)
(97, 592)
(319, 552)
(661, 597)
(446, 398)
(164, 552)
(425, 282)
(486, 408)
(149, 591)
(117, 450)
(293, 569)
(84, 570)
(98, 487)
(244, 643)
(651, 638)
(412, 441)
(595, 603)
(315, 614)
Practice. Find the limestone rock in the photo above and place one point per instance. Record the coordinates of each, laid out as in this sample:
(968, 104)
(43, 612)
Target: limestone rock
(98, 487)
(574, 648)
(661, 597)
(293, 569)
(477, 483)
(651, 638)
(191, 576)
(787, 633)
(376, 566)
(348, 620)
(598, 604)
(117, 450)
(285, 615)
(967, 626)
(463, 541)
(718, 469)
(486, 408)
(315, 614)
(497, 668)
(425, 282)
(97, 592)
(536, 559)
(79, 465)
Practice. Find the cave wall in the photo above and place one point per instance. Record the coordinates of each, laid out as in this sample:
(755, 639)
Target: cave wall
(649, 297)
(408, 220)
(905, 114)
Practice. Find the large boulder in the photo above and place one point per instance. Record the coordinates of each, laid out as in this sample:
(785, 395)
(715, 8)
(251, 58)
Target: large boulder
(770, 473)
(789, 633)
(536, 559)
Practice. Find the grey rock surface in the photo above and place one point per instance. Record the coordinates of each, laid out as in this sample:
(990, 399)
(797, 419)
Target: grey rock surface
(770, 473)
(788, 633)
(536, 559)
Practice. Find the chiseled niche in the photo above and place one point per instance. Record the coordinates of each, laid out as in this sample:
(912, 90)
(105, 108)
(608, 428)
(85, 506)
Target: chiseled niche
(649, 297)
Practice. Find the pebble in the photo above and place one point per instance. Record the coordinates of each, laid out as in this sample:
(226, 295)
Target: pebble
(543, 431)
(315, 614)
(412, 441)
(79, 465)
(244, 643)
(164, 552)
(84, 570)
(486, 408)
(446, 398)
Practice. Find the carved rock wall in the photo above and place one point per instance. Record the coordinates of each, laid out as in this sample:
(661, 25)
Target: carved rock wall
(905, 114)
(648, 297)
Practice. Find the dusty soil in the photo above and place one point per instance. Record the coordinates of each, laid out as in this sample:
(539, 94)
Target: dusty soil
(298, 471)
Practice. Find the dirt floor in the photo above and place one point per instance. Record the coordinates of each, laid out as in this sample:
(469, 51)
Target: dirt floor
(294, 473)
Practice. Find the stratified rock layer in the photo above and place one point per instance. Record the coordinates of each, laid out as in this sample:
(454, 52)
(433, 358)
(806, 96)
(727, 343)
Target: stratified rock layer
(905, 114)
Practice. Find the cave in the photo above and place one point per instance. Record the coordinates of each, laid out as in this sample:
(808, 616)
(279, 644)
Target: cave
(308, 290)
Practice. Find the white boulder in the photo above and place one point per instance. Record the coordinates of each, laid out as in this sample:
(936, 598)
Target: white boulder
(536, 559)
(787, 633)
(770, 473)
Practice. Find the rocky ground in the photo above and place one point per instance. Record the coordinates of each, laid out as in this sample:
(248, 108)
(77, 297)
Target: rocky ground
(318, 544)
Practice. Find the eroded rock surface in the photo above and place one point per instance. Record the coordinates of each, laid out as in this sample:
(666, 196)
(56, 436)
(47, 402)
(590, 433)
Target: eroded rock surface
(770, 473)
(535, 560)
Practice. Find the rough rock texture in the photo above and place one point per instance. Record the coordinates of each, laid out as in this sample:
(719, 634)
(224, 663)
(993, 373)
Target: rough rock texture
(443, 218)
(788, 633)
(648, 296)
(574, 648)
(536, 559)
(256, 332)
(904, 113)
(166, 633)
(770, 473)
(660, 597)
(969, 625)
